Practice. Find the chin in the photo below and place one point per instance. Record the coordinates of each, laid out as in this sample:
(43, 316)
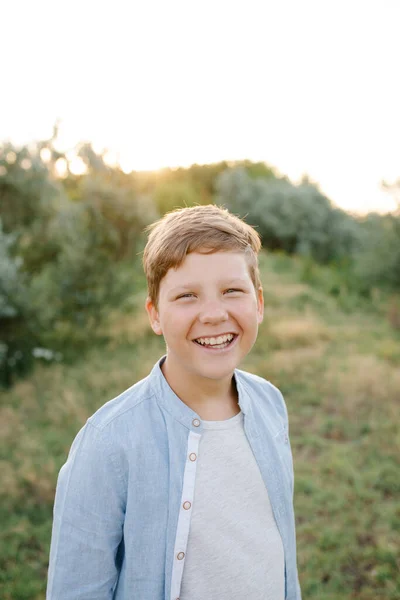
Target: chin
(217, 373)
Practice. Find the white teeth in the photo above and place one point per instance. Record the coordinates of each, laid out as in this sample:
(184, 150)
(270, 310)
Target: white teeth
(222, 339)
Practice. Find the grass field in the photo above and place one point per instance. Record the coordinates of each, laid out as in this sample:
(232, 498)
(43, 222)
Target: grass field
(338, 366)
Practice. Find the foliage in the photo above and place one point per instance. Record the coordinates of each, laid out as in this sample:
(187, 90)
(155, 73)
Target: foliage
(27, 193)
(196, 184)
(116, 211)
(65, 238)
(377, 263)
(61, 243)
(29, 199)
(295, 219)
(15, 341)
(73, 292)
(169, 195)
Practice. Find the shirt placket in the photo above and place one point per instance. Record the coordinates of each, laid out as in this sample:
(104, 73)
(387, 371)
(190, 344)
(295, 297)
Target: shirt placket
(185, 512)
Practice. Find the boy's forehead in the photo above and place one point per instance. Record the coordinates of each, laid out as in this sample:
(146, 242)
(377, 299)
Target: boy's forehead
(198, 267)
(213, 260)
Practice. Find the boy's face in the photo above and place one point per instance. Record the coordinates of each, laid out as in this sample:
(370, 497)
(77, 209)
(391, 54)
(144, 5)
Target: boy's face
(208, 312)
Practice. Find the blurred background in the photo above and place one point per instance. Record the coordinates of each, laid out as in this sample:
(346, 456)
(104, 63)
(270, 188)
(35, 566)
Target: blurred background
(287, 113)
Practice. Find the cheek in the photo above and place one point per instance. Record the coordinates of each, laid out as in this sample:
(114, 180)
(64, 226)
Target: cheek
(176, 321)
(247, 311)
(249, 320)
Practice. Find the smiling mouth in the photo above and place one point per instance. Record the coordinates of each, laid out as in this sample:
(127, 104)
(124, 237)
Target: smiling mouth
(218, 342)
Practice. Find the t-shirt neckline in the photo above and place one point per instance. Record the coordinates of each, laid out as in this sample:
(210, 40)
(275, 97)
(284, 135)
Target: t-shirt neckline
(225, 424)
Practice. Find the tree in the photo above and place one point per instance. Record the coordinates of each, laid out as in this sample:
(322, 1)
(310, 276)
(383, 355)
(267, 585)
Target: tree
(60, 248)
(296, 219)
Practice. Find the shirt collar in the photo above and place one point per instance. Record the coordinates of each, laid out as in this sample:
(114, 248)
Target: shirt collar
(184, 414)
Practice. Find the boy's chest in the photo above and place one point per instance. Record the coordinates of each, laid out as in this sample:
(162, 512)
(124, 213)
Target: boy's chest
(229, 488)
(174, 473)
(232, 523)
(161, 469)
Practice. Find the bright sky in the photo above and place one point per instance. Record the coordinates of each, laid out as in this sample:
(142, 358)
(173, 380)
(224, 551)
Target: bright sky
(308, 86)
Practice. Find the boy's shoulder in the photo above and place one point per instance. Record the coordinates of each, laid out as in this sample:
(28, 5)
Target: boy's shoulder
(263, 392)
(125, 402)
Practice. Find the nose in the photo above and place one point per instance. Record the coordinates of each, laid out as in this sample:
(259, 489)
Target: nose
(213, 313)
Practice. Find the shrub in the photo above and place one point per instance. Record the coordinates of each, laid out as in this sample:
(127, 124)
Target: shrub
(17, 336)
(60, 257)
(377, 262)
(117, 209)
(169, 195)
(296, 219)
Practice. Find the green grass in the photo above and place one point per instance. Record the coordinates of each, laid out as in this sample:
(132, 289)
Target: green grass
(336, 359)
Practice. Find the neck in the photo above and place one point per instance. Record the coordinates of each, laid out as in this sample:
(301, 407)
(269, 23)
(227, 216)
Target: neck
(210, 399)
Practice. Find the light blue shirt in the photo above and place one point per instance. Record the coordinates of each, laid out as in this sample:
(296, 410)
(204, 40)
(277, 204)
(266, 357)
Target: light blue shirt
(121, 516)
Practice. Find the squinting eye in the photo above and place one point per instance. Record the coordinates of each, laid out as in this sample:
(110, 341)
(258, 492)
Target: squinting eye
(232, 290)
(188, 295)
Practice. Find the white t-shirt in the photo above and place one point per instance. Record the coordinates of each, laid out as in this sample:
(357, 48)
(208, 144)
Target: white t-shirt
(234, 547)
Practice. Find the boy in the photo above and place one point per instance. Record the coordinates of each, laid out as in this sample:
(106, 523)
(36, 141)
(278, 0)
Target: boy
(181, 488)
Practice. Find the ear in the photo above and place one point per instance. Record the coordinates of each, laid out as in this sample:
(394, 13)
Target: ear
(260, 305)
(153, 316)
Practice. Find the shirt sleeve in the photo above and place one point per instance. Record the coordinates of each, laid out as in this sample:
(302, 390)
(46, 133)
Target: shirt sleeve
(283, 411)
(88, 521)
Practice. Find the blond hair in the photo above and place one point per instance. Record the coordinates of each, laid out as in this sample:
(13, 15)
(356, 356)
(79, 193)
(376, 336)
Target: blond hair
(206, 229)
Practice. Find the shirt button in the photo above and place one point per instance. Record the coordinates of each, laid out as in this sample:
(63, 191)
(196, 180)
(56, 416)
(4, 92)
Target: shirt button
(180, 555)
(196, 422)
(192, 456)
(186, 505)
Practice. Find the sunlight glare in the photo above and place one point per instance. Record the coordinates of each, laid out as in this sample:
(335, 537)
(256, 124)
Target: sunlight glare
(111, 158)
(45, 155)
(61, 167)
(26, 164)
(77, 166)
(11, 157)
